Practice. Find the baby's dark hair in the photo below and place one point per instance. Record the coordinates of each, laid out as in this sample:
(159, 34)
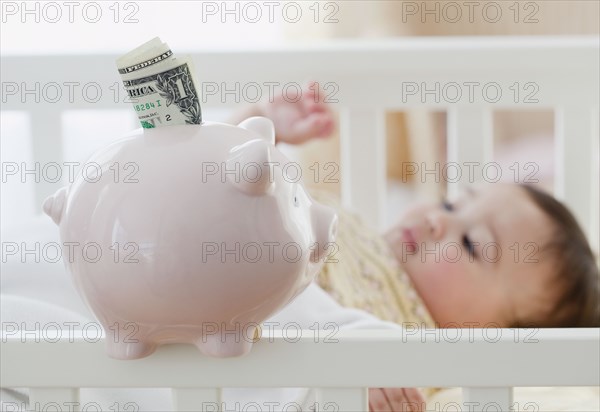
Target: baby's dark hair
(575, 269)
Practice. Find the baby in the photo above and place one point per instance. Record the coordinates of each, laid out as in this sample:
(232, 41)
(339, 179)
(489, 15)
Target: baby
(525, 261)
(499, 255)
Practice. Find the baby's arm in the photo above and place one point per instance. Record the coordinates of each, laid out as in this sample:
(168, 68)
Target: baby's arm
(295, 122)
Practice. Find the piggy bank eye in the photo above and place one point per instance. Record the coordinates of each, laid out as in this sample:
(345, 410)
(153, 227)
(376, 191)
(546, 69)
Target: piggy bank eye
(296, 199)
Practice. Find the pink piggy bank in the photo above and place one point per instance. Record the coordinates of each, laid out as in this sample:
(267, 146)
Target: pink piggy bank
(192, 233)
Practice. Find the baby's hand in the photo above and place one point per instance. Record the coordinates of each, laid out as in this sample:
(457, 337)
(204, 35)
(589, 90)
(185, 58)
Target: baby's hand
(298, 122)
(396, 400)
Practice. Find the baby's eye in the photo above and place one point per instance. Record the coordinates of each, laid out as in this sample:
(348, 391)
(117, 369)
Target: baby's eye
(468, 244)
(447, 205)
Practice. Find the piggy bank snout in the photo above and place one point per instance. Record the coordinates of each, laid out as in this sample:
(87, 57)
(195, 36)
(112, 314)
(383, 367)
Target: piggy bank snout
(325, 225)
(53, 205)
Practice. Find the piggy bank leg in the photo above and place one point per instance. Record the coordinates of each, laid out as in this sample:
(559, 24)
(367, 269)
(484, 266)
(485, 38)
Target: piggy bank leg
(125, 343)
(227, 343)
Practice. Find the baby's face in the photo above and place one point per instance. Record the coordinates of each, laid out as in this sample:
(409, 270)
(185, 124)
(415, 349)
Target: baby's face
(477, 258)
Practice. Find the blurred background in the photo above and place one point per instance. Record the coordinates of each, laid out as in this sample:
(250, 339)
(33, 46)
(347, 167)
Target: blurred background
(40, 28)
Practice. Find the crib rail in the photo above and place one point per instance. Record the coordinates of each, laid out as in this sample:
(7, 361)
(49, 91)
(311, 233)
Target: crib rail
(487, 362)
(381, 358)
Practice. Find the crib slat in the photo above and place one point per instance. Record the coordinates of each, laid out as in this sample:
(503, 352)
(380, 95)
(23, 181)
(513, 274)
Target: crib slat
(470, 139)
(342, 399)
(488, 399)
(363, 163)
(594, 235)
(46, 132)
(196, 399)
(573, 154)
(49, 399)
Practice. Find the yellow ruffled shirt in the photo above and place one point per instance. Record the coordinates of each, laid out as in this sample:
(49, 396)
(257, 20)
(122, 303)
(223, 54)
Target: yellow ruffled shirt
(363, 272)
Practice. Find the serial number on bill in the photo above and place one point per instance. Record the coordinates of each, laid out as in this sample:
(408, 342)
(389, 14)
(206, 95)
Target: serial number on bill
(146, 106)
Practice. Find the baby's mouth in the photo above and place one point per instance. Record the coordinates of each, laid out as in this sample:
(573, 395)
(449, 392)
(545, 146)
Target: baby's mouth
(409, 240)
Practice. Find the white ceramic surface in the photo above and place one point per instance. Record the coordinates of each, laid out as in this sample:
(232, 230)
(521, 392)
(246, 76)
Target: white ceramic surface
(192, 233)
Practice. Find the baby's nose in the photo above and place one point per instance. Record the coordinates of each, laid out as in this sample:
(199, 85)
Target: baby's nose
(438, 223)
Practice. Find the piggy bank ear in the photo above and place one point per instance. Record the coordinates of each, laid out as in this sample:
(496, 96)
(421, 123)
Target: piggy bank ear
(260, 125)
(248, 167)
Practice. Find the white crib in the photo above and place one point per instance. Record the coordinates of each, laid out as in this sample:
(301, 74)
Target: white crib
(370, 77)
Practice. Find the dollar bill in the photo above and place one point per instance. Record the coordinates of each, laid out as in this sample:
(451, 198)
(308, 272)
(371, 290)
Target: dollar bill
(161, 86)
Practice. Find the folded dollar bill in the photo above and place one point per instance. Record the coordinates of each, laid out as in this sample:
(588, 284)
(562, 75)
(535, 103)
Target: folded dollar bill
(160, 85)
